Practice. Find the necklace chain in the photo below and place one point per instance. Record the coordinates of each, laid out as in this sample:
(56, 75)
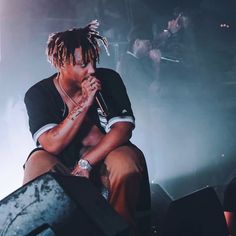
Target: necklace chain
(64, 92)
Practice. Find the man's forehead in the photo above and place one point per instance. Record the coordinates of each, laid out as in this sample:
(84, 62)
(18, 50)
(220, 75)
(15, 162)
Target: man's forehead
(78, 54)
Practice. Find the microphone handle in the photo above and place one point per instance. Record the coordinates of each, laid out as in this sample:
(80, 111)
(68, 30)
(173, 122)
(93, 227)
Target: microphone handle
(170, 59)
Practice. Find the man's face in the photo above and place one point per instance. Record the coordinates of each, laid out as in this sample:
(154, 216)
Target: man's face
(142, 47)
(79, 71)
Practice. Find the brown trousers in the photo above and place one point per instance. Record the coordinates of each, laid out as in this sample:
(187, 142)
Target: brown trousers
(123, 172)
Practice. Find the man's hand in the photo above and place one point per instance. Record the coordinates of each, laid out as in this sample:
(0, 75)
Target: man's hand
(174, 26)
(155, 55)
(80, 172)
(89, 88)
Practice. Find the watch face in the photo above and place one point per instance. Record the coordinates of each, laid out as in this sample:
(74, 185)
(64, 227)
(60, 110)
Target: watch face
(84, 164)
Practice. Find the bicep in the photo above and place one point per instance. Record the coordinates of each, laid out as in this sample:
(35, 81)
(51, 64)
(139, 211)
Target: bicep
(122, 129)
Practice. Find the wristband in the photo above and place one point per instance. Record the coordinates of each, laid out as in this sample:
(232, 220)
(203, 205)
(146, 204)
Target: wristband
(168, 31)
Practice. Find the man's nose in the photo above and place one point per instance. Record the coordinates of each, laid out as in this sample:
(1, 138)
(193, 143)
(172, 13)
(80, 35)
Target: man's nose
(91, 69)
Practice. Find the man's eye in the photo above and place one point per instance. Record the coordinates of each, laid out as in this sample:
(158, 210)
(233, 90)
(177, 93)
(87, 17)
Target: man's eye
(83, 65)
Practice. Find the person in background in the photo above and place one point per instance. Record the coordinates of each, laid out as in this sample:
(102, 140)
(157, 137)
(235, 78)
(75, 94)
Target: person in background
(139, 66)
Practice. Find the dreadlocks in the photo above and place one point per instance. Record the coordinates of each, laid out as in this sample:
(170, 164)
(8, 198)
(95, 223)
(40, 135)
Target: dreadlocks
(61, 45)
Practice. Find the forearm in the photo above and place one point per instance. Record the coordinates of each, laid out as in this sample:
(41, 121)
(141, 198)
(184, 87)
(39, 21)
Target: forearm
(57, 138)
(173, 28)
(119, 134)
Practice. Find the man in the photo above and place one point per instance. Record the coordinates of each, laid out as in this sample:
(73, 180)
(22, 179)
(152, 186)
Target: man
(141, 63)
(140, 70)
(73, 132)
(139, 66)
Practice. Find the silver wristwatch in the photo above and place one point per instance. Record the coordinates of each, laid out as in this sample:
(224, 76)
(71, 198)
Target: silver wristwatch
(84, 165)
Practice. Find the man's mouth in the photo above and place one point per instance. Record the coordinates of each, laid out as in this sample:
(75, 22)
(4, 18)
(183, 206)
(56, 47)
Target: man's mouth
(86, 77)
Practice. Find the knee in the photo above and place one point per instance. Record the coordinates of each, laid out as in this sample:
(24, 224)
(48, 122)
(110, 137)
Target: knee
(38, 163)
(124, 162)
(40, 158)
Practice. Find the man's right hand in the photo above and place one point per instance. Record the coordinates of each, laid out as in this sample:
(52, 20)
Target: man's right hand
(174, 26)
(155, 55)
(89, 88)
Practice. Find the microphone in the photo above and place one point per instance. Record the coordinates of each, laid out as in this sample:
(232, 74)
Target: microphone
(101, 103)
(170, 59)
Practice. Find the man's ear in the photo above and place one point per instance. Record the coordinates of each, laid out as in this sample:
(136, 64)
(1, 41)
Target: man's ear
(62, 66)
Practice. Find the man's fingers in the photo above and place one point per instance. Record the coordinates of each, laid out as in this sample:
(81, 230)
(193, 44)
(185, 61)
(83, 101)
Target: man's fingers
(80, 172)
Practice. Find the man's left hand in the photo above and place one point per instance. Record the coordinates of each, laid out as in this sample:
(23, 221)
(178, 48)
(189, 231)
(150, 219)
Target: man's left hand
(80, 172)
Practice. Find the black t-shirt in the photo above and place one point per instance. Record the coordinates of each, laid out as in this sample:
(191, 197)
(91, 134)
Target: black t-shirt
(46, 109)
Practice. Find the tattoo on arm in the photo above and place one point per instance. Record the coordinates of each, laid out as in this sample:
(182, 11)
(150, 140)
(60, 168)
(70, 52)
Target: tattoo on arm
(75, 112)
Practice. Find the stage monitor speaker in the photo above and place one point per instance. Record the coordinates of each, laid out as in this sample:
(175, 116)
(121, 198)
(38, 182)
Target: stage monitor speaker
(59, 205)
(197, 214)
(160, 201)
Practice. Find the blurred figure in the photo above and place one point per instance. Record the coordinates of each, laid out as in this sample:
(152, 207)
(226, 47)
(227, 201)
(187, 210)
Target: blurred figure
(179, 70)
(140, 70)
(139, 66)
(141, 63)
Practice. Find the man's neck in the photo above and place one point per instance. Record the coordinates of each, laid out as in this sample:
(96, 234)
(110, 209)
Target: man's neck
(68, 84)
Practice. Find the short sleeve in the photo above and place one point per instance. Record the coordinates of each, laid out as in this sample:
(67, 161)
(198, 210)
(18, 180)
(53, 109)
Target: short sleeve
(42, 112)
(116, 97)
